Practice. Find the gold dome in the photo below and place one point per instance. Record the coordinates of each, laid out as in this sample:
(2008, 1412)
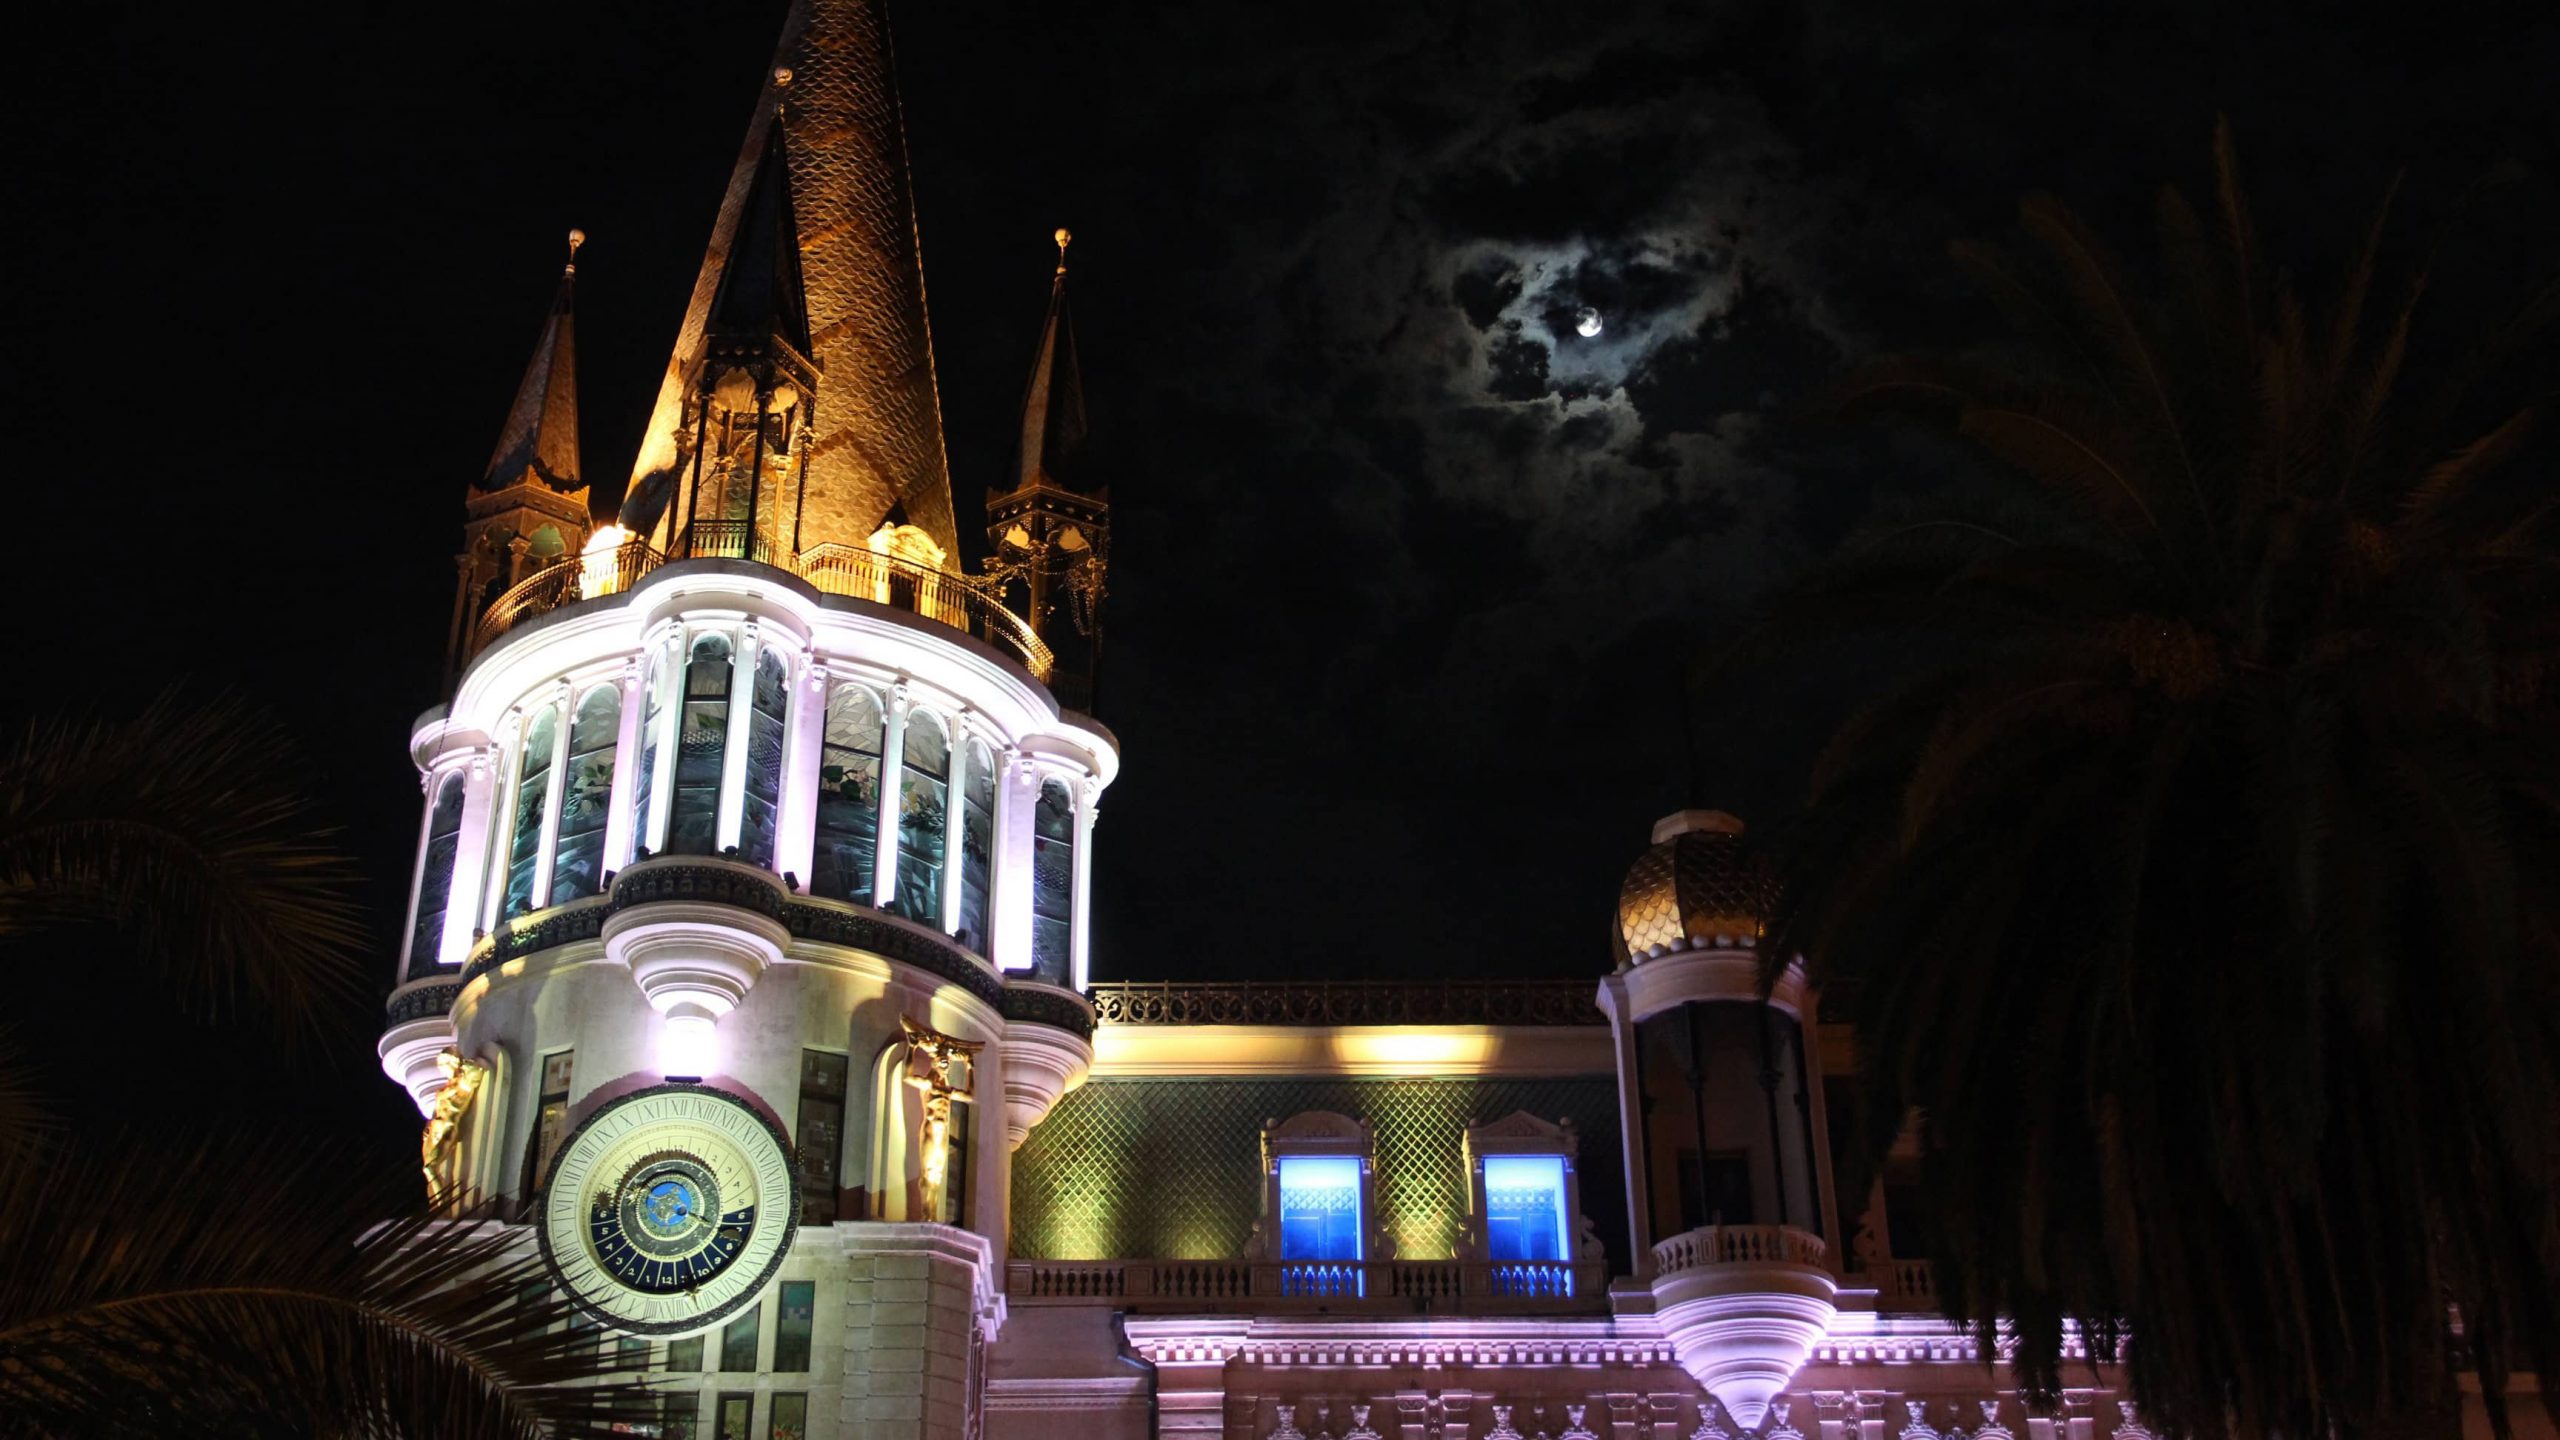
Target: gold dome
(1698, 888)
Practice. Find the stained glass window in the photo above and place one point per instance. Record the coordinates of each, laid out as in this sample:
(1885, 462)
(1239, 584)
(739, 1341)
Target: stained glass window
(644, 786)
(550, 1120)
(702, 747)
(737, 1416)
(533, 785)
(1319, 1207)
(820, 1143)
(685, 1355)
(954, 1209)
(738, 1341)
(798, 1314)
(924, 802)
(848, 796)
(435, 879)
(770, 700)
(681, 1414)
(977, 843)
(586, 794)
(1524, 1207)
(1053, 882)
(790, 1417)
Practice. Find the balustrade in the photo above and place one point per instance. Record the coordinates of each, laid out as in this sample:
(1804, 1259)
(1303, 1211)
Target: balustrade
(957, 601)
(1738, 1245)
(1400, 1286)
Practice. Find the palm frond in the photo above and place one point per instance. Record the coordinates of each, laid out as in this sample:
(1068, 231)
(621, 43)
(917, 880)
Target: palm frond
(2206, 924)
(237, 1287)
(185, 828)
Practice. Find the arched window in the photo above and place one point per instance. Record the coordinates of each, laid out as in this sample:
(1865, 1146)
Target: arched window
(924, 809)
(586, 795)
(533, 785)
(702, 747)
(771, 698)
(1053, 883)
(848, 796)
(435, 879)
(977, 842)
(645, 784)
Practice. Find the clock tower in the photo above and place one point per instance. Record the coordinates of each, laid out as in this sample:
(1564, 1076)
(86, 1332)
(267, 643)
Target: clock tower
(750, 918)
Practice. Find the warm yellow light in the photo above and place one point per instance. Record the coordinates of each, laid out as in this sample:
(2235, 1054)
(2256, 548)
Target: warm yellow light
(599, 563)
(1413, 1050)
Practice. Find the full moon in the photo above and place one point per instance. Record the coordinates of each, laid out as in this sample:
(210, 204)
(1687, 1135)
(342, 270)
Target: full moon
(1586, 322)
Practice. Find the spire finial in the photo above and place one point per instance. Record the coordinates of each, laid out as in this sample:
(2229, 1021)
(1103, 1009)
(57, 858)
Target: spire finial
(577, 237)
(1062, 237)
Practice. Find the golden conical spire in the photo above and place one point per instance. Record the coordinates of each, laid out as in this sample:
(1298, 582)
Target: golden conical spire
(877, 437)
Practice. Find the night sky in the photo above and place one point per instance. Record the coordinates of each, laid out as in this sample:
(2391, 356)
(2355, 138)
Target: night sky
(1407, 573)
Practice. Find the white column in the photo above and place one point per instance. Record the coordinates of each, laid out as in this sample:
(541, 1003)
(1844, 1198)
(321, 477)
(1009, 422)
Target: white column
(804, 738)
(555, 789)
(652, 827)
(1080, 933)
(502, 825)
(1622, 1039)
(955, 820)
(418, 875)
(893, 770)
(470, 854)
(1009, 865)
(618, 819)
(731, 817)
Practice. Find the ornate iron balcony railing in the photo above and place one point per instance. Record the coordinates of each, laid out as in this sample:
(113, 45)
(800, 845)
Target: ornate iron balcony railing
(570, 578)
(848, 570)
(955, 600)
(1348, 1002)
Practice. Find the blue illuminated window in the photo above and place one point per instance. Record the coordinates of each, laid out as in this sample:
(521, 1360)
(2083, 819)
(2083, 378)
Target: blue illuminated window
(1524, 1207)
(1319, 1207)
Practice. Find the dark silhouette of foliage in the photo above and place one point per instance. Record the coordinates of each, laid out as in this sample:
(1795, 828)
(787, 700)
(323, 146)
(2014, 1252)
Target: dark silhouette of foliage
(186, 828)
(240, 1286)
(242, 1289)
(2195, 872)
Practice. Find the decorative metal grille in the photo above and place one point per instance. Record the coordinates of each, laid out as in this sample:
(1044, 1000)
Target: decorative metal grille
(1170, 1168)
(1354, 1002)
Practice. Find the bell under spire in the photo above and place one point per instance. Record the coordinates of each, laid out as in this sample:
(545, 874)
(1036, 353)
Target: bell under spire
(875, 435)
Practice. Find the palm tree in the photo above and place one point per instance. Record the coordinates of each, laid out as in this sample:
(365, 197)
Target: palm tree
(184, 828)
(236, 1288)
(239, 1286)
(2198, 871)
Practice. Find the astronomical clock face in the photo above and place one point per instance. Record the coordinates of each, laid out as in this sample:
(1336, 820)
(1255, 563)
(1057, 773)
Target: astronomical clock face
(669, 1209)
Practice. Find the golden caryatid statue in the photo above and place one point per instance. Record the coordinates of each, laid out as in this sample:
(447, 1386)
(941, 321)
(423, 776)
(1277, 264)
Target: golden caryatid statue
(442, 1139)
(945, 1069)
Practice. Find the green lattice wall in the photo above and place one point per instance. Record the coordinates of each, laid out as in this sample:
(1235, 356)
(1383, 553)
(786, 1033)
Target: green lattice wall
(1169, 1168)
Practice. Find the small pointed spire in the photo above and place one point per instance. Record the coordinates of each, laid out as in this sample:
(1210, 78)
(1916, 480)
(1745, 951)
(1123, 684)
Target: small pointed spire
(541, 431)
(1053, 426)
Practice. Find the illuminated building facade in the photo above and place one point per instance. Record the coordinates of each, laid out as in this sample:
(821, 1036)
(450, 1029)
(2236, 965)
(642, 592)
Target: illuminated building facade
(747, 967)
